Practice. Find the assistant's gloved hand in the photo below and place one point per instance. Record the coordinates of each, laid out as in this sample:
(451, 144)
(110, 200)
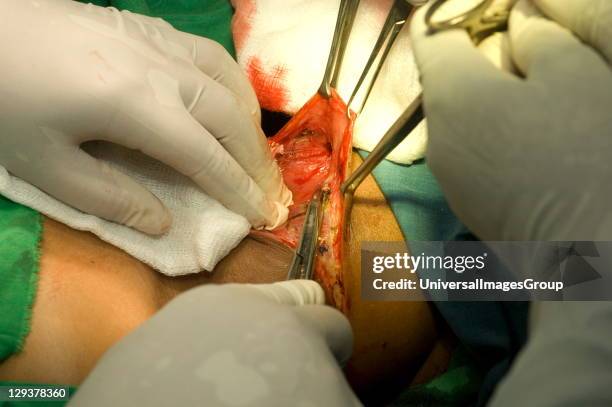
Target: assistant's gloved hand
(525, 158)
(72, 73)
(231, 345)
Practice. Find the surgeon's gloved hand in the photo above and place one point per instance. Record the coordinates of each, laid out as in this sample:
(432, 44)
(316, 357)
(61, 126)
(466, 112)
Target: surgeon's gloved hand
(525, 158)
(72, 73)
(231, 345)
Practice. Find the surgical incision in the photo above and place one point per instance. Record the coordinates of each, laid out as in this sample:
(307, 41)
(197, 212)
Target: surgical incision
(312, 151)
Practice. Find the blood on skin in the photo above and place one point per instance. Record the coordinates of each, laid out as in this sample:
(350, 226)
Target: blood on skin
(312, 151)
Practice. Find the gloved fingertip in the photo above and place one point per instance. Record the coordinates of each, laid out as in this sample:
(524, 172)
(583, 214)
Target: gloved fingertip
(271, 182)
(286, 196)
(155, 222)
(165, 221)
(279, 216)
(256, 114)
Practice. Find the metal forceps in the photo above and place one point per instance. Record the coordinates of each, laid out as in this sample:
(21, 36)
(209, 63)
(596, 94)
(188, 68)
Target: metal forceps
(397, 17)
(479, 22)
(302, 265)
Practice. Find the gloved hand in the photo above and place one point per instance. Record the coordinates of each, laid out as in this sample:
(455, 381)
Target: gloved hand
(525, 158)
(230, 345)
(72, 73)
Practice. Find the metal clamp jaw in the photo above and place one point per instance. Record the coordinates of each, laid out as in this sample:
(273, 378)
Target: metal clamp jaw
(302, 265)
(402, 127)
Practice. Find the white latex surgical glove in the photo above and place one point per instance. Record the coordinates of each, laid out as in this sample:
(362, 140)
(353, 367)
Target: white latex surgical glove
(230, 345)
(529, 158)
(525, 157)
(71, 73)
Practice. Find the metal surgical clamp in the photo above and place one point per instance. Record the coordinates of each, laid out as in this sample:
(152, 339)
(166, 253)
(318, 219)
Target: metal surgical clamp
(342, 32)
(479, 24)
(400, 10)
(396, 19)
(302, 265)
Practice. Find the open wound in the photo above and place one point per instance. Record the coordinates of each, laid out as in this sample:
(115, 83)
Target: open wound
(313, 150)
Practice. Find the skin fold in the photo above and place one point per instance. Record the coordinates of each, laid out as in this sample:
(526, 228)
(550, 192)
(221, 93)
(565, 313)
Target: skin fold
(91, 294)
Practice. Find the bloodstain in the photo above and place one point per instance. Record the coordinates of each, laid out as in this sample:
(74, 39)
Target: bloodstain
(268, 86)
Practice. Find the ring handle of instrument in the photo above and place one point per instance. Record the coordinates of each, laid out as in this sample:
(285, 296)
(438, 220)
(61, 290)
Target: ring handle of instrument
(459, 21)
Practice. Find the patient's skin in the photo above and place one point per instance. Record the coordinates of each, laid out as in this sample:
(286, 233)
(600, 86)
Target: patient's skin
(91, 294)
